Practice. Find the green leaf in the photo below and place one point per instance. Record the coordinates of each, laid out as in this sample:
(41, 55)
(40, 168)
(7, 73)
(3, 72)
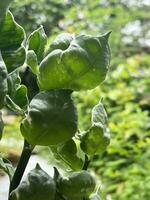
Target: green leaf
(1, 125)
(3, 8)
(7, 167)
(37, 42)
(16, 91)
(14, 82)
(20, 98)
(99, 115)
(97, 138)
(77, 185)
(32, 61)
(67, 152)
(11, 43)
(61, 42)
(14, 107)
(3, 82)
(51, 118)
(76, 63)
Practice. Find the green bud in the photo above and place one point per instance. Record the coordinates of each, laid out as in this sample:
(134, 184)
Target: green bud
(38, 186)
(77, 185)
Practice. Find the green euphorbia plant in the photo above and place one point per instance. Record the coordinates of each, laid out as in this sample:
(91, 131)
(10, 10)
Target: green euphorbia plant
(70, 63)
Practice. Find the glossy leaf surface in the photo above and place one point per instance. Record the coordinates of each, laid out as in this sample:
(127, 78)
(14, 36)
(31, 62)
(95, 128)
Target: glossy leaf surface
(75, 63)
(51, 118)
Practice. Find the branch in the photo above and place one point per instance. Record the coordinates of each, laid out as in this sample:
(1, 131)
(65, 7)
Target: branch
(86, 163)
(25, 156)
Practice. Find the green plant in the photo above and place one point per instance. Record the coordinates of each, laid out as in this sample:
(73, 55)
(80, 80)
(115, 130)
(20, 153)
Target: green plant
(50, 118)
(124, 167)
(29, 189)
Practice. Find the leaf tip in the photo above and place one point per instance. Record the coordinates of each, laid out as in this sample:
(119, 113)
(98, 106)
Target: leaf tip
(38, 166)
(107, 34)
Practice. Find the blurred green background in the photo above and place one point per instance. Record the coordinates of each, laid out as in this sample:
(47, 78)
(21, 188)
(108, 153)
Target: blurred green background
(125, 168)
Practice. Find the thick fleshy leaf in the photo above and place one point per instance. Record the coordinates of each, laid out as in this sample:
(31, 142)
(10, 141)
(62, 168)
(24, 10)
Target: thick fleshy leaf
(4, 4)
(37, 42)
(7, 167)
(1, 125)
(75, 63)
(16, 91)
(51, 118)
(3, 82)
(67, 152)
(11, 38)
(97, 138)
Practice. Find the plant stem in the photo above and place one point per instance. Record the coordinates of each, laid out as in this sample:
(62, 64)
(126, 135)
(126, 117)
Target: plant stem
(86, 163)
(24, 158)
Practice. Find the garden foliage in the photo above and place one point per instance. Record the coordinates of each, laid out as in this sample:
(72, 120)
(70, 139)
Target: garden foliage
(50, 118)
